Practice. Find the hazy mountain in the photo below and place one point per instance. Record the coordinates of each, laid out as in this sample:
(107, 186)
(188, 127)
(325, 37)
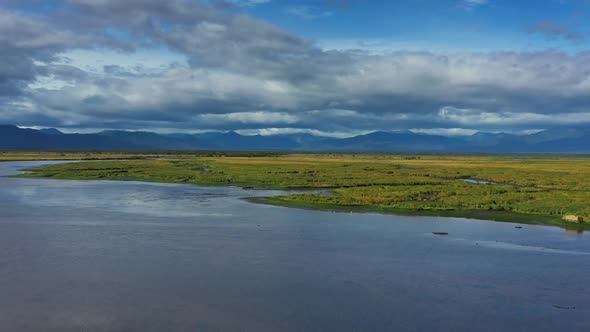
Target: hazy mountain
(579, 144)
(12, 137)
(489, 139)
(147, 140)
(234, 141)
(567, 140)
(557, 134)
(51, 131)
(391, 141)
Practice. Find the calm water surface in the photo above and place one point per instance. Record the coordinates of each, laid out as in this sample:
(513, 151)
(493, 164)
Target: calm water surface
(129, 256)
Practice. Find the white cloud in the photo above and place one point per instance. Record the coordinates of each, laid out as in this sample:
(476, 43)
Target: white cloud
(445, 131)
(475, 2)
(503, 119)
(259, 117)
(471, 4)
(198, 67)
(246, 3)
(285, 131)
(308, 12)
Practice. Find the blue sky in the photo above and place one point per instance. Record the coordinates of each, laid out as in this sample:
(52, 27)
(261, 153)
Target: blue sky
(329, 67)
(432, 25)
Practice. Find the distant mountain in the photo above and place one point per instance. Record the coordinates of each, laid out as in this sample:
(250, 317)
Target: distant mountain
(552, 135)
(51, 131)
(234, 141)
(579, 144)
(380, 141)
(489, 139)
(566, 140)
(146, 140)
(12, 137)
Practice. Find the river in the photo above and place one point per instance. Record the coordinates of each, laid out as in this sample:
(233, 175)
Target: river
(133, 256)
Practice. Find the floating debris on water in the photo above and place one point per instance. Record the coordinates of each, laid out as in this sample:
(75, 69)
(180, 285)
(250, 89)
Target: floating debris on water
(561, 307)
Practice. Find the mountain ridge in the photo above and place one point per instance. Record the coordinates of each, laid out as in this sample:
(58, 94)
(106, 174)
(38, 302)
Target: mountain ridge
(566, 140)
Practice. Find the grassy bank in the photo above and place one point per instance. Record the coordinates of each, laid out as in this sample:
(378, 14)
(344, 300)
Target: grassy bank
(525, 189)
(500, 216)
(30, 155)
(57, 155)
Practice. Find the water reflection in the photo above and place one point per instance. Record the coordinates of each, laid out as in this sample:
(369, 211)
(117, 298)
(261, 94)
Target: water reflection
(575, 231)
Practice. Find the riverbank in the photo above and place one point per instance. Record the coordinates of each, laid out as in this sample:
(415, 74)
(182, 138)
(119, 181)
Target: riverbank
(498, 216)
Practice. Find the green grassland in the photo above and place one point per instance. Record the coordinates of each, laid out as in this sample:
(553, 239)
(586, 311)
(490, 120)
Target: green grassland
(527, 189)
(56, 155)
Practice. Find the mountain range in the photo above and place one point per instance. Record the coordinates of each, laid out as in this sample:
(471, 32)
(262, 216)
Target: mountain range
(563, 140)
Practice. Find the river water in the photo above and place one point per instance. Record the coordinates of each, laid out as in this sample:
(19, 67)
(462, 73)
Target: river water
(131, 256)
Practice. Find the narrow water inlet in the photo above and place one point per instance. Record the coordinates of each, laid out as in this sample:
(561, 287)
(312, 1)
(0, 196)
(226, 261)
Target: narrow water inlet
(476, 181)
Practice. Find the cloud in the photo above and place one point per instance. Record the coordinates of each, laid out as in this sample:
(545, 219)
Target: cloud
(472, 4)
(24, 41)
(259, 117)
(556, 31)
(307, 12)
(466, 116)
(222, 70)
(289, 131)
(475, 2)
(224, 4)
(445, 131)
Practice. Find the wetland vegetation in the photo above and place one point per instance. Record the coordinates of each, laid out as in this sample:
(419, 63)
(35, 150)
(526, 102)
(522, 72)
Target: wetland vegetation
(524, 189)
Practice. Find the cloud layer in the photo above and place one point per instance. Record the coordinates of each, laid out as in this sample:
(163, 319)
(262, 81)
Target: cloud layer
(219, 69)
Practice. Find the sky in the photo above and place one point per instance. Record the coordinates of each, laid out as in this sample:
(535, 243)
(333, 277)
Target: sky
(325, 67)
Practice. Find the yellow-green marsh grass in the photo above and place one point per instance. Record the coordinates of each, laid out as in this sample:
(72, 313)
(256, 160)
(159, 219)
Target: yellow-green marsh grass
(533, 189)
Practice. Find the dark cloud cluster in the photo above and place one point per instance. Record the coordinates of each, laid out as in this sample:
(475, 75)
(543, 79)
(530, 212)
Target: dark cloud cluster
(22, 41)
(243, 73)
